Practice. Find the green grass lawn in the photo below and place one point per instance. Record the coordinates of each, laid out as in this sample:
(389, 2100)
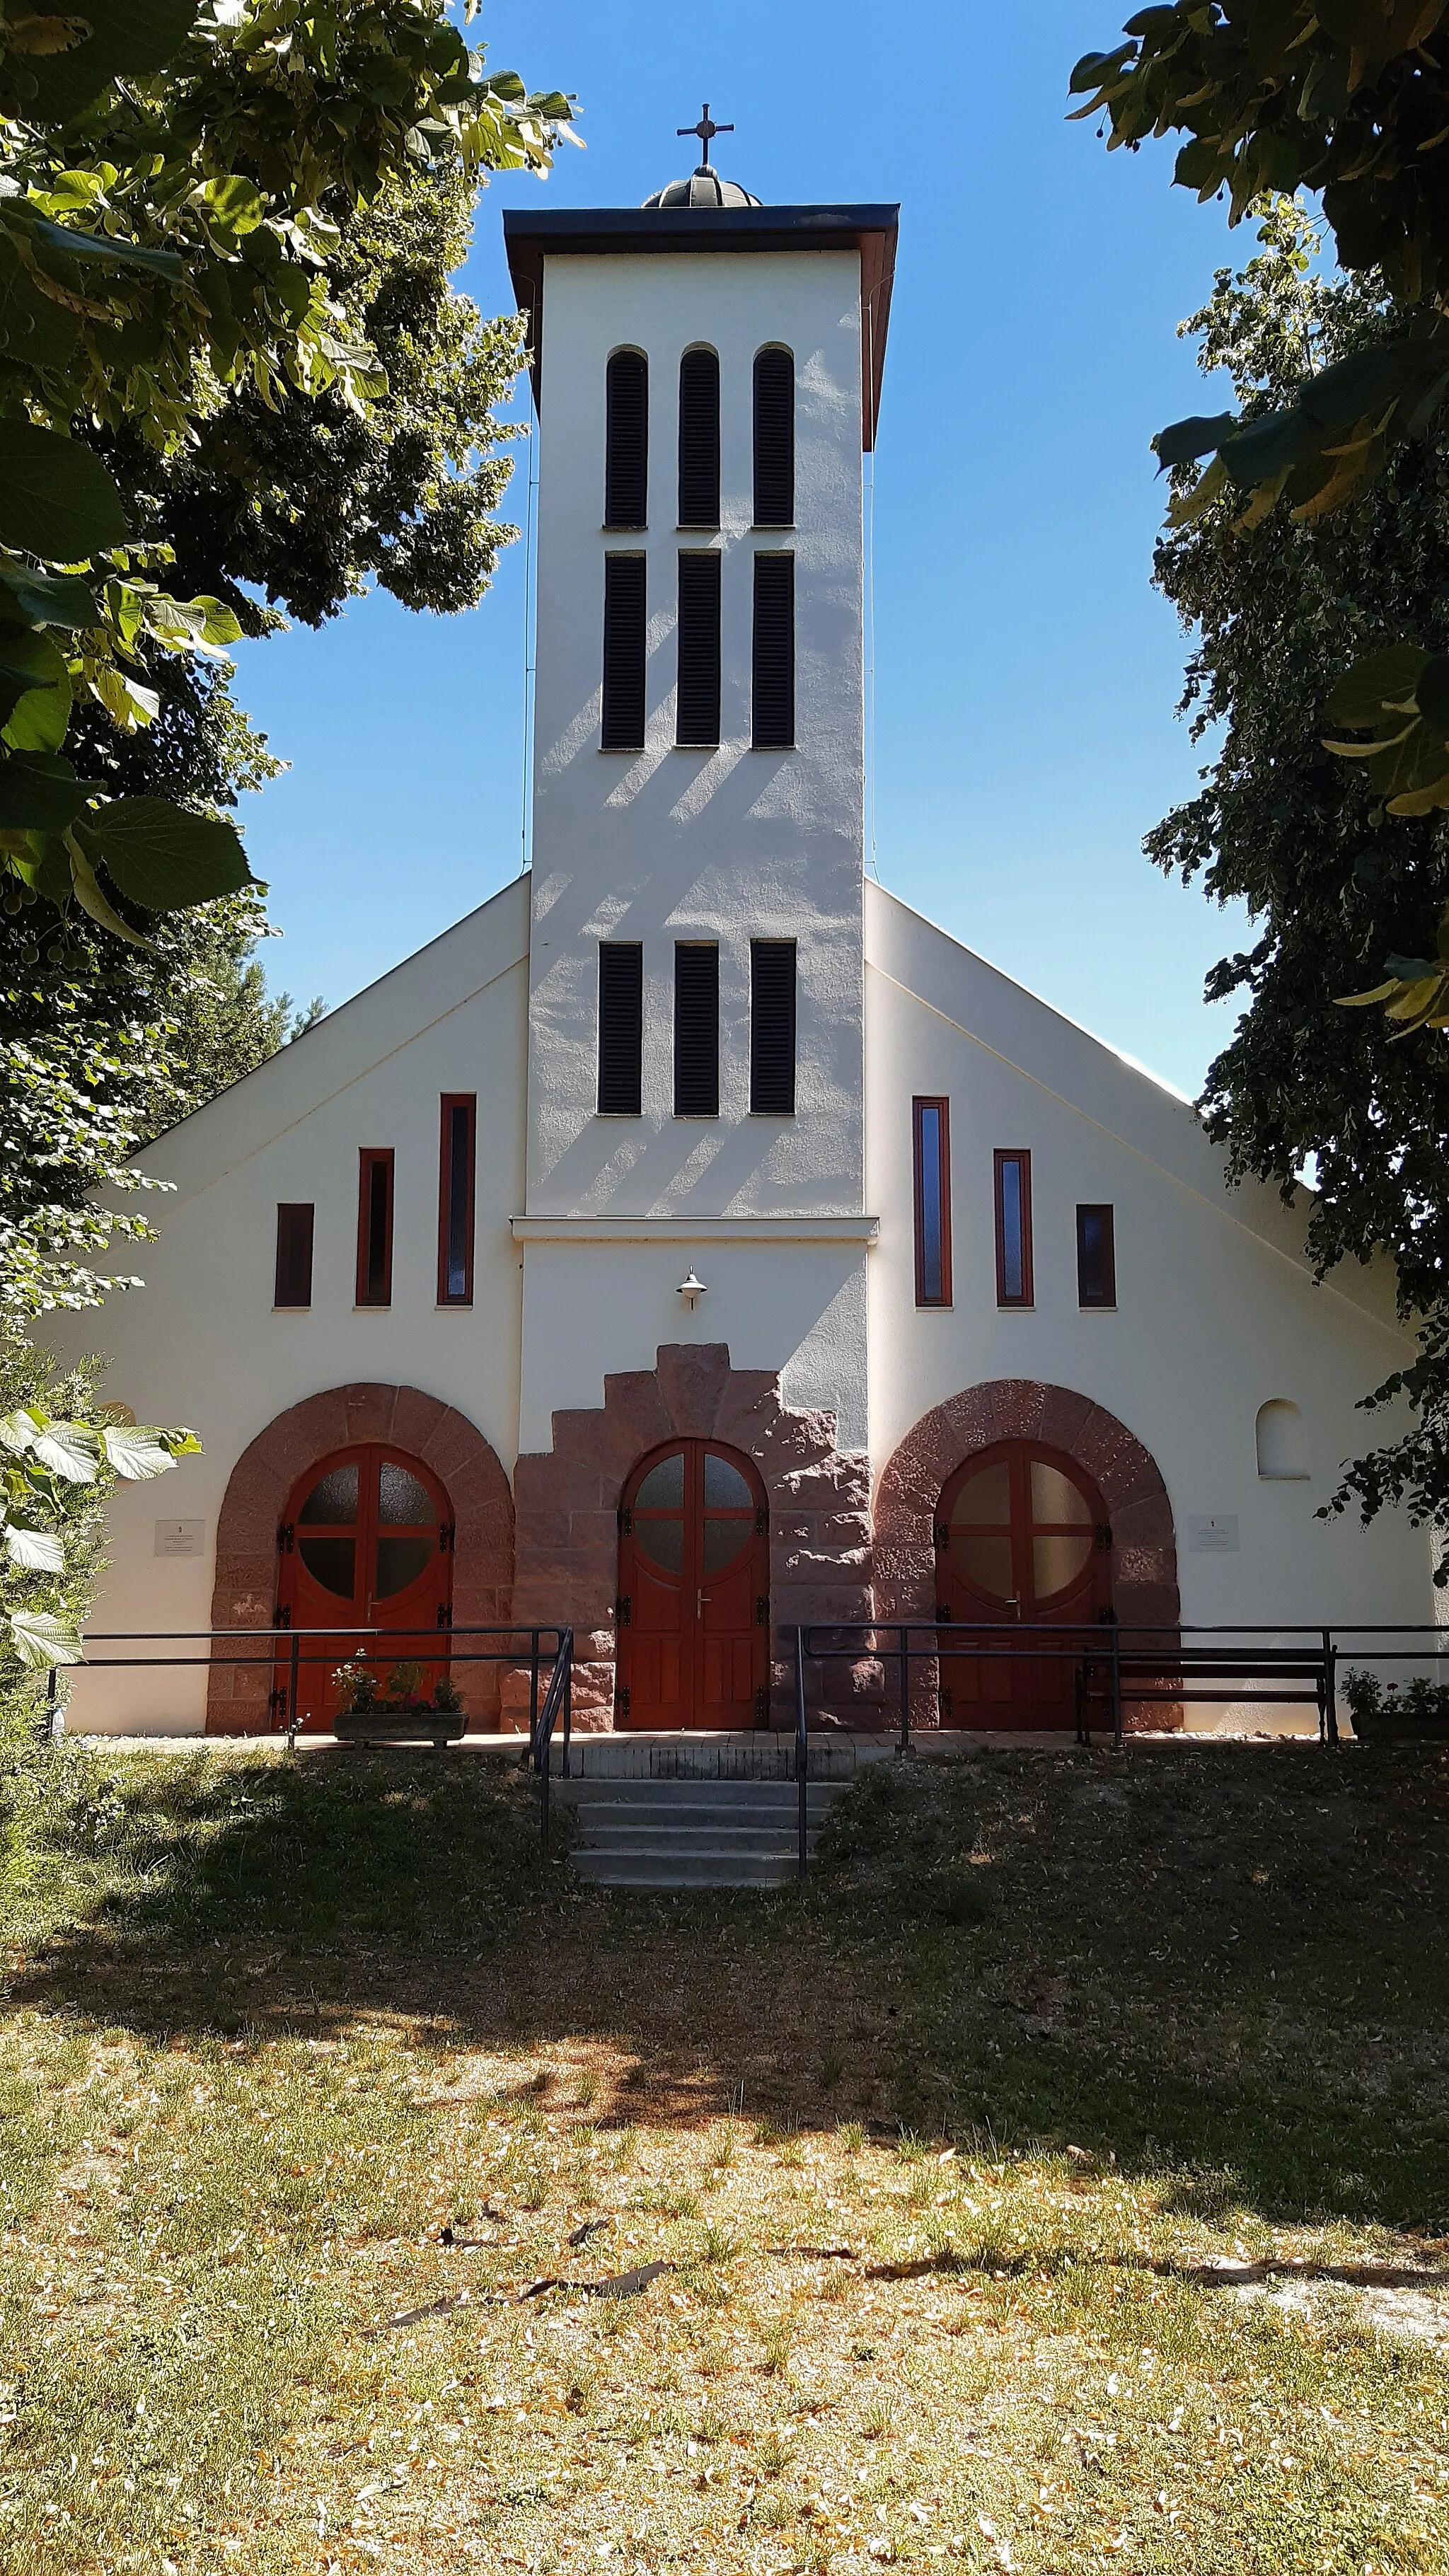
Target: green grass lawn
(1058, 2181)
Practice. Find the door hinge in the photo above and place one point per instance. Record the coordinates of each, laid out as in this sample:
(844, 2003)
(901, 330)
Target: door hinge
(762, 1705)
(286, 1537)
(625, 1520)
(762, 1609)
(445, 1614)
(948, 1706)
(447, 1538)
(277, 1707)
(624, 1609)
(281, 1616)
(940, 1538)
(762, 1523)
(1107, 1618)
(623, 1699)
(1102, 1537)
(943, 1614)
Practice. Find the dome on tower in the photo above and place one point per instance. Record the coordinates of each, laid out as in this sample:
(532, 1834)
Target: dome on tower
(703, 187)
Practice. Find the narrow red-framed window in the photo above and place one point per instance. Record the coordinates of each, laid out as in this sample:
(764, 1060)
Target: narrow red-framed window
(374, 1225)
(1096, 1256)
(1013, 1227)
(932, 1155)
(457, 1162)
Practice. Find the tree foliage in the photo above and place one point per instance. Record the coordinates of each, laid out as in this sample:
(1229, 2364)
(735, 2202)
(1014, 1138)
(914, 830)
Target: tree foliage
(1330, 880)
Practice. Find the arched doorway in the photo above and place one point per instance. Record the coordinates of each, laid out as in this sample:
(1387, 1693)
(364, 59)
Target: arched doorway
(366, 1541)
(693, 1610)
(1021, 1537)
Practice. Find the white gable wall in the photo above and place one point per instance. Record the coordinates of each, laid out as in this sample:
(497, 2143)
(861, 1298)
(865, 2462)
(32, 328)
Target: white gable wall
(1217, 1309)
(202, 1343)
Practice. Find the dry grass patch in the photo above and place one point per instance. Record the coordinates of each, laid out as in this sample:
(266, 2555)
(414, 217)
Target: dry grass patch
(1113, 2242)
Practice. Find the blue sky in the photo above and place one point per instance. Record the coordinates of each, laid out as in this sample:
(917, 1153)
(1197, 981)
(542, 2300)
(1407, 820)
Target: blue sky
(1026, 674)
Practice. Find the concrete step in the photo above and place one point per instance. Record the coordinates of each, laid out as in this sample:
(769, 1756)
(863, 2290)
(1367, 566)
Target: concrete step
(692, 1801)
(686, 1869)
(692, 1832)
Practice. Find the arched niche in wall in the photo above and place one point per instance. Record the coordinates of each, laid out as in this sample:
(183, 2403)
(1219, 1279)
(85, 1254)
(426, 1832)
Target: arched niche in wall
(1281, 1451)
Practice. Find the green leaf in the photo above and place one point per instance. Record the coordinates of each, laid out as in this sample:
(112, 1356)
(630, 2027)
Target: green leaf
(1387, 679)
(88, 895)
(46, 867)
(1268, 446)
(1432, 693)
(1186, 440)
(135, 1454)
(56, 498)
(235, 204)
(47, 598)
(127, 36)
(165, 859)
(39, 1551)
(69, 1450)
(39, 793)
(42, 1641)
(100, 246)
(41, 712)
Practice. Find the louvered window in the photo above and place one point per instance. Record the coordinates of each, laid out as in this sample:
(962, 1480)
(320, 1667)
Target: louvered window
(774, 439)
(626, 447)
(699, 439)
(696, 1030)
(621, 1027)
(623, 728)
(774, 656)
(772, 1027)
(456, 1160)
(374, 1226)
(697, 702)
(294, 1255)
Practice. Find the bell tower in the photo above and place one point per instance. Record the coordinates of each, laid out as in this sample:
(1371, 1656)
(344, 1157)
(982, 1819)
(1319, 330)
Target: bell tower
(707, 373)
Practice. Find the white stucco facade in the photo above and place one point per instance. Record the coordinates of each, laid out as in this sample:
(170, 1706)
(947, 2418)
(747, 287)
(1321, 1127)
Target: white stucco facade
(802, 1228)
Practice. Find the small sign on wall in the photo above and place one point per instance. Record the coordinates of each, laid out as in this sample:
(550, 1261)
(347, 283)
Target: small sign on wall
(180, 1538)
(1216, 1532)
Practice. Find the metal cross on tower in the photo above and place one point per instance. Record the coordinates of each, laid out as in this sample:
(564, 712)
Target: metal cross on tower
(706, 129)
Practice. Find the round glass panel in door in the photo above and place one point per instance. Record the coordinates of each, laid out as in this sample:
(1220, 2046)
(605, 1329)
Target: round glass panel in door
(365, 1544)
(693, 1617)
(1021, 1541)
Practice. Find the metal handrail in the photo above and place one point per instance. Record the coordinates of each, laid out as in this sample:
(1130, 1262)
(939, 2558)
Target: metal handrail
(1167, 1646)
(802, 1756)
(560, 1694)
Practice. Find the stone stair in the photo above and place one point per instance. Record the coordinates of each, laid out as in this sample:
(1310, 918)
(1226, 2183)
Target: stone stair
(681, 1832)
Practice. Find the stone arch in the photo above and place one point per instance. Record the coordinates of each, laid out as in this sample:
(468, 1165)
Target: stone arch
(246, 1535)
(568, 1504)
(1144, 1543)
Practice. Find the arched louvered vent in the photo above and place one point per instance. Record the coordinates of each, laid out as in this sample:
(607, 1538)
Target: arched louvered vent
(626, 448)
(697, 700)
(623, 726)
(772, 1027)
(699, 439)
(774, 439)
(773, 701)
(696, 1029)
(621, 1026)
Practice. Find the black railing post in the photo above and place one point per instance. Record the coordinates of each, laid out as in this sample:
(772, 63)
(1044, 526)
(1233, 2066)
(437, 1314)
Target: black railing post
(568, 1701)
(51, 1734)
(802, 1755)
(1117, 1687)
(1330, 1688)
(904, 1651)
(533, 1695)
(294, 1714)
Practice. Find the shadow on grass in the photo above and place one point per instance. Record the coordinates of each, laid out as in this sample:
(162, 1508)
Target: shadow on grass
(1229, 1978)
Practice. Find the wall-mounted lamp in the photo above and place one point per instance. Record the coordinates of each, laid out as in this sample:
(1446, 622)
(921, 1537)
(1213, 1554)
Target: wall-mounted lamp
(691, 1290)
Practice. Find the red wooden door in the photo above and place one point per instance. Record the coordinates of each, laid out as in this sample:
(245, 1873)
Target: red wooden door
(367, 1543)
(1021, 1537)
(694, 1634)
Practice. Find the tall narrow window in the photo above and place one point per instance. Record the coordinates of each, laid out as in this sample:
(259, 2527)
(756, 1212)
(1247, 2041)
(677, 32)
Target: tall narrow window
(1013, 1229)
(1096, 1257)
(623, 728)
(933, 1202)
(294, 1255)
(696, 1029)
(621, 1027)
(773, 704)
(774, 439)
(697, 701)
(772, 1027)
(457, 1156)
(626, 443)
(374, 1226)
(699, 439)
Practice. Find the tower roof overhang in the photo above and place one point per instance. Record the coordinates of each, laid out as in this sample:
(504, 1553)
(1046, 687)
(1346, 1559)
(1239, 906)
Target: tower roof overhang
(575, 232)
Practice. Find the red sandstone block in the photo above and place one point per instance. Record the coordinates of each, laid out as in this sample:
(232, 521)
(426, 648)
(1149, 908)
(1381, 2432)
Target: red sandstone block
(692, 1379)
(416, 1416)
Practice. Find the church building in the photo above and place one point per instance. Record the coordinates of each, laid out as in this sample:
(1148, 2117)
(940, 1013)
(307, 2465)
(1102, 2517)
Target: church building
(694, 1241)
